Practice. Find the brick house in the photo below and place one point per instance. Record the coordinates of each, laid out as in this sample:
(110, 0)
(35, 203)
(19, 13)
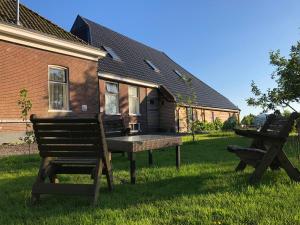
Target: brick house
(58, 69)
(94, 69)
(146, 86)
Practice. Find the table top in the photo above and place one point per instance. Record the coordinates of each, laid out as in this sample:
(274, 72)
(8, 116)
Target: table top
(142, 142)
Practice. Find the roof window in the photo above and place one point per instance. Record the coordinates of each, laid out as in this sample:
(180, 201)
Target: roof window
(112, 53)
(152, 65)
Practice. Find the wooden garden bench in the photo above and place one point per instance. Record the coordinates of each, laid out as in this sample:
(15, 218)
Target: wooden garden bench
(266, 149)
(70, 146)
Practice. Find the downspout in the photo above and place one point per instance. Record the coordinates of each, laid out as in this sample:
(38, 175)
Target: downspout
(18, 12)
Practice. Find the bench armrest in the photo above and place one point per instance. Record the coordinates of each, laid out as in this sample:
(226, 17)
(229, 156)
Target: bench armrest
(257, 134)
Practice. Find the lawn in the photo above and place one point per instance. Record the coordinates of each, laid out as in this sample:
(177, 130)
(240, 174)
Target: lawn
(206, 190)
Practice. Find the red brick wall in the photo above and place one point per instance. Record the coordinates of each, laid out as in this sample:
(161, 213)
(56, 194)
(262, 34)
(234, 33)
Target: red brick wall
(24, 67)
(124, 105)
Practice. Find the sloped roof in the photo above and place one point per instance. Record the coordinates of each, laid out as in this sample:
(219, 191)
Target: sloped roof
(133, 55)
(33, 21)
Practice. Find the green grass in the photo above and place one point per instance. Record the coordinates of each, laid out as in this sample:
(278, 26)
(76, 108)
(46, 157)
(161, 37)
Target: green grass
(206, 190)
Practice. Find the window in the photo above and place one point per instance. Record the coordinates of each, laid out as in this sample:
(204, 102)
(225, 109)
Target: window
(58, 88)
(189, 117)
(112, 53)
(152, 65)
(179, 74)
(135, 127)
(134, 100)
(111, 98)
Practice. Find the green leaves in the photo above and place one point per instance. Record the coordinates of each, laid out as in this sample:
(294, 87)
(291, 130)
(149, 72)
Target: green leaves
(287, 78)
(24, 103)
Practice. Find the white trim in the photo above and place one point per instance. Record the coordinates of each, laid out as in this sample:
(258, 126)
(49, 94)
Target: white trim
(209, 108)
(14, 121)
(127, 80)
(42, 41)
(139, 114)
(56, 110)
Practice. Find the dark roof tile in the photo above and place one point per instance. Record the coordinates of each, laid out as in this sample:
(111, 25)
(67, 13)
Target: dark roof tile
(33, 21)
(133, 54)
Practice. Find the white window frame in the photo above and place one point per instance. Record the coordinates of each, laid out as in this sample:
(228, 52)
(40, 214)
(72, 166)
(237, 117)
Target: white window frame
(67, 84)
(118, 95)
(137, 98)
(135, 131)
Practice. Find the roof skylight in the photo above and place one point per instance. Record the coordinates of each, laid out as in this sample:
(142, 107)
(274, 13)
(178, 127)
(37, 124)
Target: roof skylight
(152, 65)
(180, 75)
(112, 53)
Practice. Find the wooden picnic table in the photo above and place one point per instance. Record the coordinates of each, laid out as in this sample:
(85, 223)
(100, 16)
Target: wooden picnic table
(140, 143)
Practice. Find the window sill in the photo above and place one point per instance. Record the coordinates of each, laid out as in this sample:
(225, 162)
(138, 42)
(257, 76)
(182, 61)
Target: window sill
(135, 114)
(113, 114)
(53, 110)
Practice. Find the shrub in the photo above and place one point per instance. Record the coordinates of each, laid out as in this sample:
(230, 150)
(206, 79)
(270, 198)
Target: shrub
(248, 120)
(218, 124)
(230, 123)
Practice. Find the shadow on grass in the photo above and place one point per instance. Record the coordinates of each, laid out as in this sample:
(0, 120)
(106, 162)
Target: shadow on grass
(216, 175)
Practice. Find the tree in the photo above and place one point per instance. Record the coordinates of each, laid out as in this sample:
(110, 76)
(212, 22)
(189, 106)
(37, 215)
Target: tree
(25, 106)
(287, 78)
(188, 101)
(248, 120)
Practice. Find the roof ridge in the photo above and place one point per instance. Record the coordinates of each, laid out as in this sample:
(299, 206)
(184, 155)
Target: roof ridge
(129, 38)
(49, 21)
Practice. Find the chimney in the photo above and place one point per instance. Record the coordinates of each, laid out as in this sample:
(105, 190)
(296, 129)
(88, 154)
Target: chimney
(18, 12)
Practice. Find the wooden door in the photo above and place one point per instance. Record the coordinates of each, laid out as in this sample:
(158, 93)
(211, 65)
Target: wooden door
(152, 109)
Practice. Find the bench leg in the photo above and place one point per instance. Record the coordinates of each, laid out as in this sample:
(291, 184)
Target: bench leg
(35, 197)
(132, 167)
(241, 166)
(98, 174)
(150, 157)
(178, 157)
(285, 163)
(264, 164)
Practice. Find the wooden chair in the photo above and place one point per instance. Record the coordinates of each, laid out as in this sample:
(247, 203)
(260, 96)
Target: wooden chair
(266, 149)
(70, 146)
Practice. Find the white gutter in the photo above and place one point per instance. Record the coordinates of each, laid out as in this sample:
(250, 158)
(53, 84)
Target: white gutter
(19, 35)
(127, 80)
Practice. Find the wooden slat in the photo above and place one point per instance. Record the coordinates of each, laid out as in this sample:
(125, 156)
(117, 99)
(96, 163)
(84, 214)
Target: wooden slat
(62, 140)
(65, 189)
(72, 161)
(82, 154)
(75, 170)
(66, 126)
(75, 148)
(71, 133)
(65, 120)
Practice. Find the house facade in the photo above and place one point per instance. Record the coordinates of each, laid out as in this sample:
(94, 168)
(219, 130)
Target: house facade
(58, 69)
(93, 69)
(150, 77)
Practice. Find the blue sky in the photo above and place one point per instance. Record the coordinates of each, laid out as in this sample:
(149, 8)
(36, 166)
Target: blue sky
(224, 43)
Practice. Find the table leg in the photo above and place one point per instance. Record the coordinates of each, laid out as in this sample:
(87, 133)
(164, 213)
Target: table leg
(150, 157)
(132, 167)
(178, 156)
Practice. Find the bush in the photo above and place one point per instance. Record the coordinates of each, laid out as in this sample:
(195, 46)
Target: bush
(218, 124)
(230, 123)
(248, 120)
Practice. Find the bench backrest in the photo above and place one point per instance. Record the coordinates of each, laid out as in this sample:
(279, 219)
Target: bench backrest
(115, 128)
(69, 137)
(278, 125)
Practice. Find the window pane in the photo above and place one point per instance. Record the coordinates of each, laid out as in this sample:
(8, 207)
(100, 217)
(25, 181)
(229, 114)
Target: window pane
(112, 88)
(58, 96)
(111, 104)
(134, 105)
(57, 75)
(133, 91)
